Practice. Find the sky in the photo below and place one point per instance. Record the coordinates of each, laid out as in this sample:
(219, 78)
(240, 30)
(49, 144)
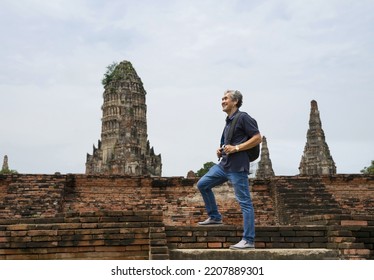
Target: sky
(281, 54)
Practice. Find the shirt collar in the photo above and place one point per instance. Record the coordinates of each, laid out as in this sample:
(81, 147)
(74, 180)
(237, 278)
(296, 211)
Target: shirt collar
(230, 118)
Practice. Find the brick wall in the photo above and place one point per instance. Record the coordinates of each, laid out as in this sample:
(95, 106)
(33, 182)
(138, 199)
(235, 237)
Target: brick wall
(31, 195)
(353, 235)
(282, 200)
(52, 216)
(354, 193)
(95, 235)
(177, 197)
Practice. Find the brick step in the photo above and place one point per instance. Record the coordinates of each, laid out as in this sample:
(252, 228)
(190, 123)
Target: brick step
(304, 212)
(299, 189)
(312, 212)
(311, 205)
(308, 195)
(254, 254)
(308, 192)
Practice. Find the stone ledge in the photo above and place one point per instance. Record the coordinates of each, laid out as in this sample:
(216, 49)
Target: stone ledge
(255, 254)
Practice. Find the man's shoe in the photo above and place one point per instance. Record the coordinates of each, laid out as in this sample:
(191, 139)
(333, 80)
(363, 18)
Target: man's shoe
(210, 221)
(243, 245)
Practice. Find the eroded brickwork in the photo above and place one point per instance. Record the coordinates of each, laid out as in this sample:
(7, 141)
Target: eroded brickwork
(282, 199)
(316, 159)
(93, 235)
(124, 148)
(78, 216)
(265, 167)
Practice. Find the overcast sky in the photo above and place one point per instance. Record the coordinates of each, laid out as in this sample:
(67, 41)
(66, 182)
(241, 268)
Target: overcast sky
(279, 54)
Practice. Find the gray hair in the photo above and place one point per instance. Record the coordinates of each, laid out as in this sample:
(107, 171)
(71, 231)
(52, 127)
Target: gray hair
(236, 96)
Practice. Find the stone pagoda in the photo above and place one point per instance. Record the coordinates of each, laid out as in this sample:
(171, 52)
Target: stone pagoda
(124, 148)
(316, 159)
(5, 164)
(265, 168)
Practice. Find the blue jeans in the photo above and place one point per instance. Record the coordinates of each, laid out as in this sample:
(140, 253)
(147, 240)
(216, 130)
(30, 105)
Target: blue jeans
(217, 176)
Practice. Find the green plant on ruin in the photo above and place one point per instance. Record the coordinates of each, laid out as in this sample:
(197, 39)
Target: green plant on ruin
(8, 171)
(202, 171)
(109, 74)
(368, 170)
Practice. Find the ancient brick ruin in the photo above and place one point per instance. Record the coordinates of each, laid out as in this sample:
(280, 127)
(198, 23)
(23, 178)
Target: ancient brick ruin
(124, 147)
(123, 209)
(130, 217)
(265, 167)
(316, 159)
(5, 163)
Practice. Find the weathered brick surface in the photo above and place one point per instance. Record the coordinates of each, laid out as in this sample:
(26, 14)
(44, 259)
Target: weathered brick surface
(31, 195)
(266, 237)
(280, 200)
(354, 193)
(93, 212)
(352, 243)
(69, 240)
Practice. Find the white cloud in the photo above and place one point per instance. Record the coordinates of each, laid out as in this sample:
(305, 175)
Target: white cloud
(280, 54)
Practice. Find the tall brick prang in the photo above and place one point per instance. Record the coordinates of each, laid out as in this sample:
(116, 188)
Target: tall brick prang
(316, 159)
(124, 148)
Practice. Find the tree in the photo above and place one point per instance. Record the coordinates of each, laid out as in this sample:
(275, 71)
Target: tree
(109, 74)
(202, 171)
(369, 170)
(8, 171)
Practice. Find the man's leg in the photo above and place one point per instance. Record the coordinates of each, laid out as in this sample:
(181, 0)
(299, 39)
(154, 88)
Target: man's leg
(214, 177)
(241, 187)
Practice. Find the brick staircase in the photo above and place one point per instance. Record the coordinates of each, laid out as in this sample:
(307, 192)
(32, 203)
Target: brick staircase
(306, 198)
(272, 243)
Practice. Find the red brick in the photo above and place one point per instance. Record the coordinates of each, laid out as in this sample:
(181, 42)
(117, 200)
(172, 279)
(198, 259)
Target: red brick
(18, 227)
(41, 232)
(353, 223)
(4, 239)
(356, 252)
(215, 245)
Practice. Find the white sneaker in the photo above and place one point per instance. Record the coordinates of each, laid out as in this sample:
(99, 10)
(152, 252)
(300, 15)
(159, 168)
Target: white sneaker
(210, 221)
(243, 245)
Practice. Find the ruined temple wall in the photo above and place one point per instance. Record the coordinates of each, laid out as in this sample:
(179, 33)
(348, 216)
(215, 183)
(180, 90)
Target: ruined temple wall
(98, 235)
(177, 197)
(24, 195)
(114, 193)
(29, 195)
(353, 192)
(120, 217)
(4, 183)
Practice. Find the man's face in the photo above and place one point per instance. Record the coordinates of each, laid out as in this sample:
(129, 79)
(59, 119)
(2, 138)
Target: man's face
(227, 103)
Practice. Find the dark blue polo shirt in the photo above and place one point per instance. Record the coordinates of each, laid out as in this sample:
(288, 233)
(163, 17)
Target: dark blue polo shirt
(246, 127)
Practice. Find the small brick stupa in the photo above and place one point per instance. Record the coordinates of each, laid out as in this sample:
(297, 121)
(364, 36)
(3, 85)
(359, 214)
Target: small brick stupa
(124, 148)
(316, 159)
(265, 168)
(5, 164)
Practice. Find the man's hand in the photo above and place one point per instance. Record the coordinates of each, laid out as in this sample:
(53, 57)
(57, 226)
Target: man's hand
(229, 149)
(219, 153)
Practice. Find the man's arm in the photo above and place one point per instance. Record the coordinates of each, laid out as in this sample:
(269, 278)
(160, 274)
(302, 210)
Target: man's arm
(250, 143)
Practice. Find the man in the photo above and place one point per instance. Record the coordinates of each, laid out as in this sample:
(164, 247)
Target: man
(233, 167)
